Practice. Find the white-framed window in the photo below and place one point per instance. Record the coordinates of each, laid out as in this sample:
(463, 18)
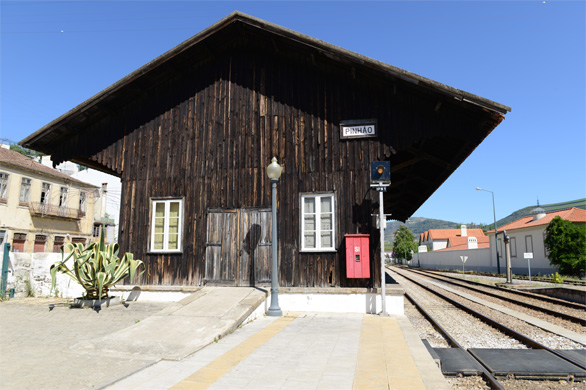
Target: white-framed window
(45, 193)
(97, 230)
(63, 197)
(25, 190)
(82, 201)
(3, 187)
(318, 222)
(166, 225)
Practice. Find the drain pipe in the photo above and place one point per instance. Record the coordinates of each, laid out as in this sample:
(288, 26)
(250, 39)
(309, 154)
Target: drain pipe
(5, 271)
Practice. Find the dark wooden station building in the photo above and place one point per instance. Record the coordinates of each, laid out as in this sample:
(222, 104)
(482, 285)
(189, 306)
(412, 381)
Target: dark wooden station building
(191, 134)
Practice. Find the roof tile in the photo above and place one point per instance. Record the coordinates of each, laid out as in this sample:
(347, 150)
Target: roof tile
(16, 159)
(573, 214)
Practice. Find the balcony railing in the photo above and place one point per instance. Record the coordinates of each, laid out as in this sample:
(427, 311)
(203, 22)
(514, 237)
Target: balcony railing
(51, 210)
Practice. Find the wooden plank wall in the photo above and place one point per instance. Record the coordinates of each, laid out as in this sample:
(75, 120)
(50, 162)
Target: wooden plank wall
(208, 136)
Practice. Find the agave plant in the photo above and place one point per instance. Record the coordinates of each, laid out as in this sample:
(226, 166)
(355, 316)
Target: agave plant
(96, 267)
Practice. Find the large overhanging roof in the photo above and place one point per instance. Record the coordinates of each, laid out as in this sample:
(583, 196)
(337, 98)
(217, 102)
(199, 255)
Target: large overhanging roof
(406, 194)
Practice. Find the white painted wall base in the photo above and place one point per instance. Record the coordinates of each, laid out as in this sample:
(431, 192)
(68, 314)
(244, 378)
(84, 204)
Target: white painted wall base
(341, 303)
(29, 276)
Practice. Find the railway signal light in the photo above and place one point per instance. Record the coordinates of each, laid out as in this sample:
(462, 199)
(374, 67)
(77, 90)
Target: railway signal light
(380, 172)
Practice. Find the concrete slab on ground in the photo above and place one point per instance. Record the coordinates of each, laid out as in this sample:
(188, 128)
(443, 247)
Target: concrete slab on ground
(578, 355)
(454, 361)
(525, 363)
(182, 328)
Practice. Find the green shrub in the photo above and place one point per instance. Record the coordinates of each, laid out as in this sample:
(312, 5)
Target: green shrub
(557, 278)
(95, 267)
(566, 246)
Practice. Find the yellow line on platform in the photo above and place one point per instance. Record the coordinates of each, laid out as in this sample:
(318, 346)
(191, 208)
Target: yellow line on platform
(209, 374)
(384, 359)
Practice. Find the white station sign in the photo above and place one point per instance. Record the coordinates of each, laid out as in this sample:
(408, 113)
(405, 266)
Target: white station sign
(358, 128)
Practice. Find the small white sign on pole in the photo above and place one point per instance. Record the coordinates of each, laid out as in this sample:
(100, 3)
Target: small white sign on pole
(463, 258)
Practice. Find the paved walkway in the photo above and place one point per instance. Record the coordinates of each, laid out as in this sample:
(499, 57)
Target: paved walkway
(303, 351)
(36, 340)
(61, 349)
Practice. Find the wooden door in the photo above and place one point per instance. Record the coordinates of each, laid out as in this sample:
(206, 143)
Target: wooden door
(255, 249)
(238, 247)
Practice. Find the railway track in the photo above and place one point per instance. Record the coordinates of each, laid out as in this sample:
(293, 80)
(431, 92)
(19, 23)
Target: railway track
(569, 364)
(545, 298)
(572, 282)
(506, 294)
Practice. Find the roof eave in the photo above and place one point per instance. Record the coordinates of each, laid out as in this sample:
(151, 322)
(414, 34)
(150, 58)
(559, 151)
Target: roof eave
(49, 174)
(275, 29)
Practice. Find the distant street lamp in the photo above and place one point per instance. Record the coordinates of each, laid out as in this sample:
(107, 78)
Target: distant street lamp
(274, 172)
(496, 242)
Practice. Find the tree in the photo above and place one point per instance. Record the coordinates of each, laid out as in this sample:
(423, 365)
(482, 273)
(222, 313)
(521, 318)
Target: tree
(566, 245)
(24, 151)
(404, 243)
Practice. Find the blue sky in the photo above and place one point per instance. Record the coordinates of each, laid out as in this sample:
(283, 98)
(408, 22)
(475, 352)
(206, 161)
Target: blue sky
(529, 55)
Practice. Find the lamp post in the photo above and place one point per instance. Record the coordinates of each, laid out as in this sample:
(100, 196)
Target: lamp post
(274, 172)
(496, 242)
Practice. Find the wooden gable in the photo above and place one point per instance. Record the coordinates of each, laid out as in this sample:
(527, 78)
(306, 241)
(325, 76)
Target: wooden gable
(203, 121)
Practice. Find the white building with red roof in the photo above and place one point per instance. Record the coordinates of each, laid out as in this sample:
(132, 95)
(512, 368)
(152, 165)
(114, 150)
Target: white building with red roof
(452, 249)
(40, 207)
(453, 239)
(527, 235)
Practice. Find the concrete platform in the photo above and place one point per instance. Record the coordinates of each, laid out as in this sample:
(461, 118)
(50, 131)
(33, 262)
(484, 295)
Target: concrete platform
(569, 293)
(210, 339)
(303, 350)
(184, 327)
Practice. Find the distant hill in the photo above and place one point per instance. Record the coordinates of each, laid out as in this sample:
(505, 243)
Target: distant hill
(418, 225)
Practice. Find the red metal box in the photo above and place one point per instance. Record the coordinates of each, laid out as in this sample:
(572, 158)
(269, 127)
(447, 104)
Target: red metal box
(357, 256)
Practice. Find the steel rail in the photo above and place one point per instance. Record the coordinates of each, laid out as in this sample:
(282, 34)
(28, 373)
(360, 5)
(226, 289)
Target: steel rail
(503, 328)
(551, 312)
(485, 373)
(573, 305)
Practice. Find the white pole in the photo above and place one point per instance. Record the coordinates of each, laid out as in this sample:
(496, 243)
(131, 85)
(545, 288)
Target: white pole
(381, 227)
